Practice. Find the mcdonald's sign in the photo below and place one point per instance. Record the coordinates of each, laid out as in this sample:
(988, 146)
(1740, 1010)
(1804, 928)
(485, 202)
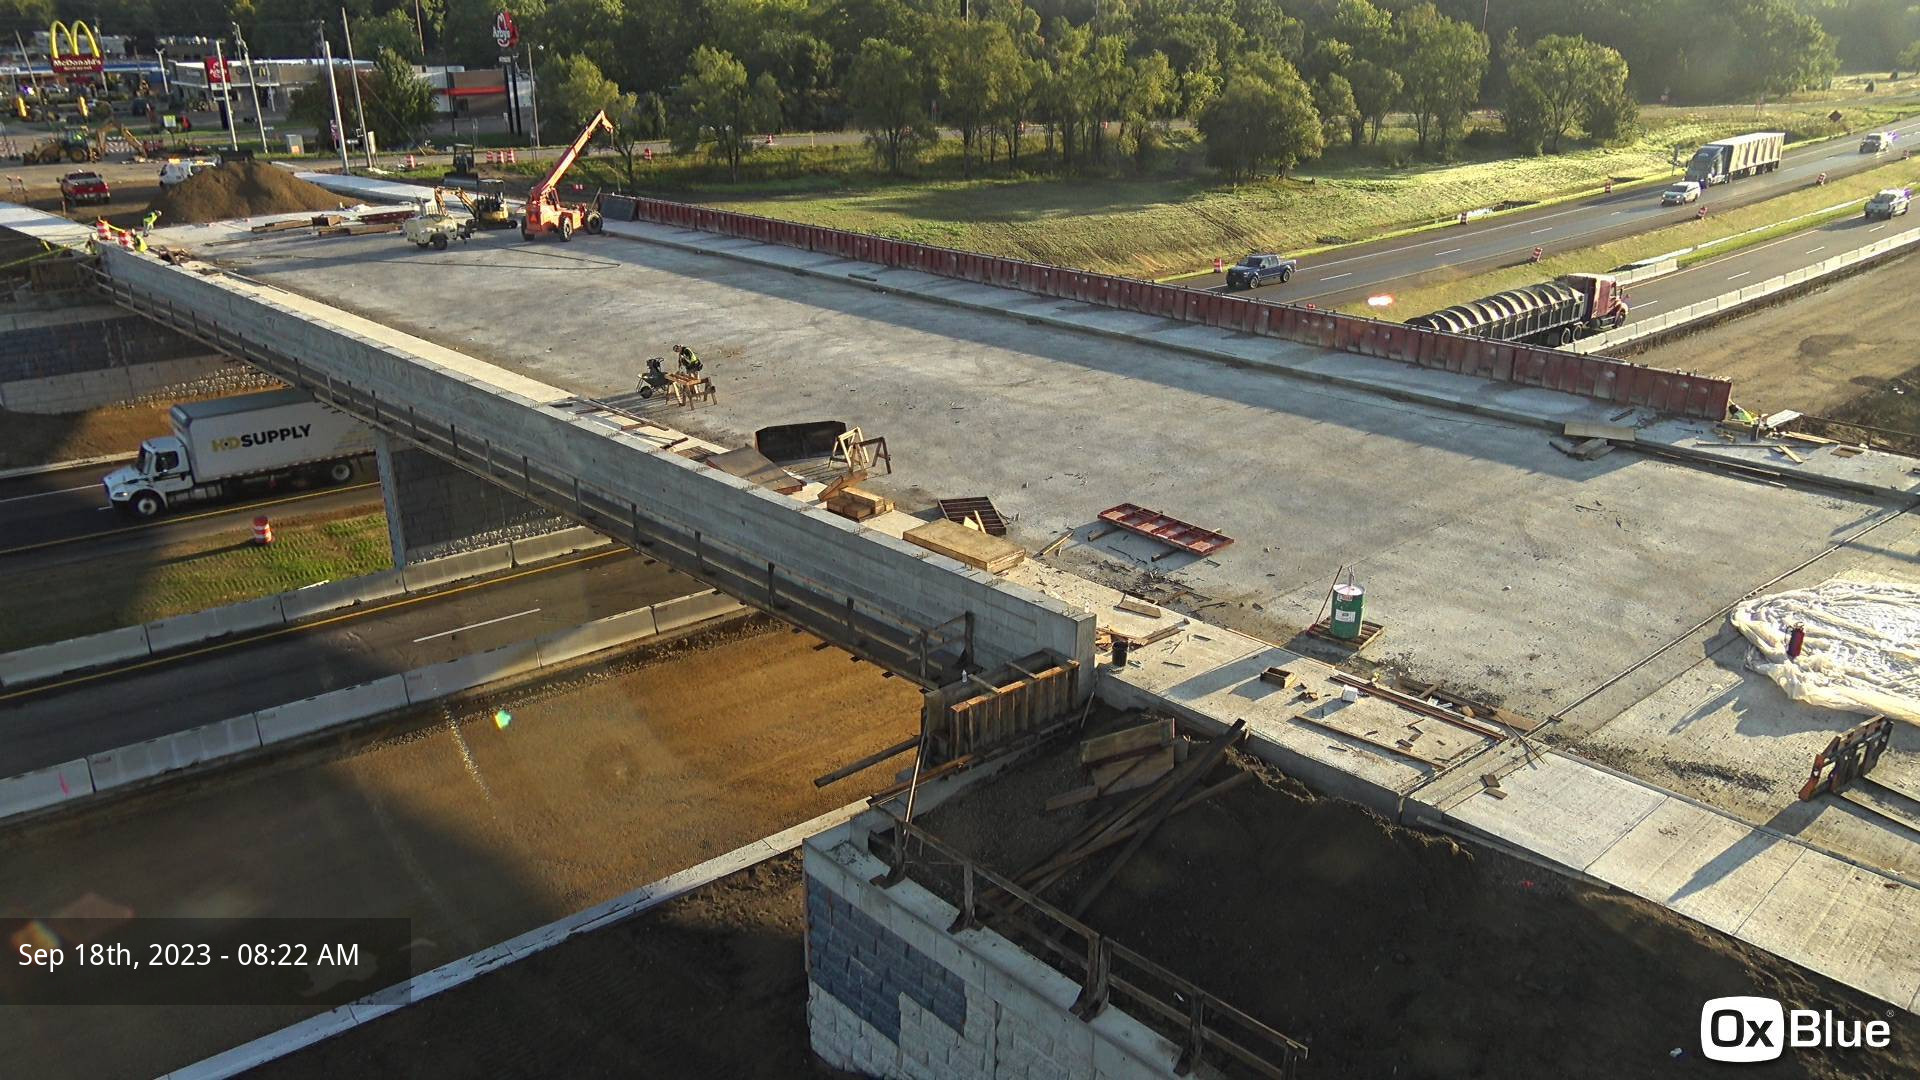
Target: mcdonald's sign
(73, 60)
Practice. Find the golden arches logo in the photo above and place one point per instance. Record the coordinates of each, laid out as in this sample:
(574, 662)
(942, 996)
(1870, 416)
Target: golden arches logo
(72, 61)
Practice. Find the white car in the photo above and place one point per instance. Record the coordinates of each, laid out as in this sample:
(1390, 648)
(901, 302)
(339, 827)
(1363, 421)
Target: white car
(177, 170)
(1685, 191)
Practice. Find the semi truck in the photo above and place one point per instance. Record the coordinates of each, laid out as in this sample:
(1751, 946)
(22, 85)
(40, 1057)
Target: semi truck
(1550, 313)
(1742, 155)
(236, 445)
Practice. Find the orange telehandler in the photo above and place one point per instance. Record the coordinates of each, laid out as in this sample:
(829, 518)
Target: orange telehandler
(545, 212)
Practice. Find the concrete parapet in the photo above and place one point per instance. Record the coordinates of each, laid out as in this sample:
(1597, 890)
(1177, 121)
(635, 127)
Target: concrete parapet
(180, 750)
(557, 543)
(304, 717)
(183, 630)
(75, 654)
(684, 611)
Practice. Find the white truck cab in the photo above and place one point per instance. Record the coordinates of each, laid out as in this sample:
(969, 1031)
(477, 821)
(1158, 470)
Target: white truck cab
(177, 170)
(228, 446)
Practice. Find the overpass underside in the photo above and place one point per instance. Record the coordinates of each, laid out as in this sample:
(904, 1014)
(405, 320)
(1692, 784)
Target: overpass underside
(916, 614)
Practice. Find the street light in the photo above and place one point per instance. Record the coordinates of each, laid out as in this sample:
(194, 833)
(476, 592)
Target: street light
(253, 86)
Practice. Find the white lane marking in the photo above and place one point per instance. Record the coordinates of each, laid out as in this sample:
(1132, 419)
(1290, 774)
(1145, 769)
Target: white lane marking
(1741, 274)
(1337, 277)
(1876, 228)
(44, 494)
(1645, 304)
(1449, 251)
(475, 626)
(1816, 251)
(1537, 232)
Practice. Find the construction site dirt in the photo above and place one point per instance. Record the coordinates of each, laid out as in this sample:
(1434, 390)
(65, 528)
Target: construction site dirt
(713, 984)
(1846, 351)
(478, 824)
(1393, 952)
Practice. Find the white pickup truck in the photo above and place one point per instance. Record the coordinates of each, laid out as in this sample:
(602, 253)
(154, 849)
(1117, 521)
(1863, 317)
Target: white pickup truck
(233, 445)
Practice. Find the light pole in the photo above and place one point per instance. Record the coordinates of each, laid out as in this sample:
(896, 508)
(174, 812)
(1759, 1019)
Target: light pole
(533, 97)
(333, 95)
(353, 72)
(165, 89)
(253, 86)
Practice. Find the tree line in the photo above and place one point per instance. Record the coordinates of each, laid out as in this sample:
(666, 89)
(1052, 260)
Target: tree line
(1079, 84)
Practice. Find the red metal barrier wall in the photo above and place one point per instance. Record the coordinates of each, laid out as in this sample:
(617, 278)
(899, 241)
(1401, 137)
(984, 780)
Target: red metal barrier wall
(1598, 377)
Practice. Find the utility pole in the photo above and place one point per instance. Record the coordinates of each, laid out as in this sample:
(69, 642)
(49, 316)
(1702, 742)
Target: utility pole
(226, 93)
(253, 86)
(353, 68)
(333, 95)
(533, 98)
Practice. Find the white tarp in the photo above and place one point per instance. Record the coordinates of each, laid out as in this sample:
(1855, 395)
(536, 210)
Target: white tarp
(1862, 650)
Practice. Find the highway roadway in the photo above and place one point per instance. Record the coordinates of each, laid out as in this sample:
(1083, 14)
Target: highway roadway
(1713, 277)
(60, 721)
(61, 517)
(1351, 274)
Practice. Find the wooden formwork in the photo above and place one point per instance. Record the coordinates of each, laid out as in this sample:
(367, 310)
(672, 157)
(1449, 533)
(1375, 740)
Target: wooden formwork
(983, 711)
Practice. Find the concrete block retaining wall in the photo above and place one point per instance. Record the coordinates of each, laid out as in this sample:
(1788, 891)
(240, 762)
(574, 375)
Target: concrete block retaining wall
(75, 359)
(238, 736)
(890, 993)
(884, 579)
(435, 509)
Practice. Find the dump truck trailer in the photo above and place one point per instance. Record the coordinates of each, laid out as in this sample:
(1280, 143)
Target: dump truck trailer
(1742, 155)
(1550, 313)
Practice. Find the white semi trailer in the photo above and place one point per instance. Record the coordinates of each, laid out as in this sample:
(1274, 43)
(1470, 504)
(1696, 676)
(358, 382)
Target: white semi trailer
(1742, 155)
(231, 446)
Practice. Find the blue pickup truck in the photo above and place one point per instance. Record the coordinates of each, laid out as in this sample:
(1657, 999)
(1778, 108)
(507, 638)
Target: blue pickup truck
(1259, 269)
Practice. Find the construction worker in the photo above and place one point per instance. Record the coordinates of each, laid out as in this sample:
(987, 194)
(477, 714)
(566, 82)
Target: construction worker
(689, 363)
(148, 222)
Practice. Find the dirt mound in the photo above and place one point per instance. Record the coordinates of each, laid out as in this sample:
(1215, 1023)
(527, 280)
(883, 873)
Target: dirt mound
(240, 189)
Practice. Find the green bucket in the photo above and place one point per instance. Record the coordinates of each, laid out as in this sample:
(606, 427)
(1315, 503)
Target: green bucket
(1348, 600)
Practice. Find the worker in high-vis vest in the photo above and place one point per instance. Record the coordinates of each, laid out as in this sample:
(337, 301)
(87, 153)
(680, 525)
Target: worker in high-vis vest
(689, 363)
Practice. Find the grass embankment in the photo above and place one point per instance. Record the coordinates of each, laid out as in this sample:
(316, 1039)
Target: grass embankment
(85, 598)
(1733, 230)
(1180, 216)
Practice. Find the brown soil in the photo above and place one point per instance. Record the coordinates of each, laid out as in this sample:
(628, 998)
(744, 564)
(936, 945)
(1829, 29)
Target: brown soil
(602, 780)
(46, 438)
(1392, 952)
(712, 984)
(1847, 351)
(238, 190)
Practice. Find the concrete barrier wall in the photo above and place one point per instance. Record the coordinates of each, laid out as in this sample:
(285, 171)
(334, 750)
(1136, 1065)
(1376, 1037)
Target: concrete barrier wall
(299, 718)
(334, 595)
(75, 654)
(886, 579)
(238, 736)
(213, 623)
(428, 575)
(1599, 378)
(1641, 330)
(555, 544)
(182, 749)
(37, 790)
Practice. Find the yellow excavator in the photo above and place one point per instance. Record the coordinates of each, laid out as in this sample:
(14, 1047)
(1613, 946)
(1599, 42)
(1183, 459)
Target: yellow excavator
(488, 205)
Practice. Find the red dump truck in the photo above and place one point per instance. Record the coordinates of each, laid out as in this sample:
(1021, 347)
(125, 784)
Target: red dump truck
(1550, 313)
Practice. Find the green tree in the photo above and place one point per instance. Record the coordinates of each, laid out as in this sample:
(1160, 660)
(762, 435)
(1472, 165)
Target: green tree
(974, 61)
(590, 28)
(394, 31)
(1363, 27)
(1375, 89)
(467, 37)
(572, 89)
(1152, 92)
(883, 90)
(1555, 84)
(1445, 61)
(1333, 100)
(717, 103)
(1263, 119)
(399, 102)
(1101, 87)
(1909, 57)
(1787, 50)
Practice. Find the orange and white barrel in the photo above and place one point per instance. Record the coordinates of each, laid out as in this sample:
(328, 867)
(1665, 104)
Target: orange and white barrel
(262, 530)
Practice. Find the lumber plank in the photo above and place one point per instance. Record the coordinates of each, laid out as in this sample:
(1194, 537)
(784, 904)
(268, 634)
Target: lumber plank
(1101, 747)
